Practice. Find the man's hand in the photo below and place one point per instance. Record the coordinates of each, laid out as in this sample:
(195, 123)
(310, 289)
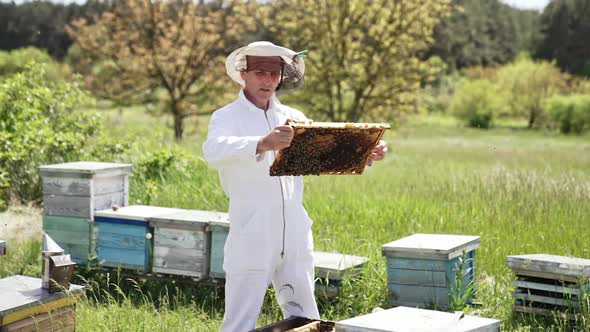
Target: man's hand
(279, 138)
(378, 152)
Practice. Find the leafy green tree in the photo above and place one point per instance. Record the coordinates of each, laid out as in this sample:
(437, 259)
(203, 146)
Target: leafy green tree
(528, 83)
(38, 125)
(485, 32)
(364, 59)
(571, 113)
(566, 27)
(141, 48)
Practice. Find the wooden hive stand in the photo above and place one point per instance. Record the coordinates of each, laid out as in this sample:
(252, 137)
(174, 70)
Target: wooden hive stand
(71, 194)
(405, 319)
(125, 238)
(26, 307)
(423, 270)
(548, 284)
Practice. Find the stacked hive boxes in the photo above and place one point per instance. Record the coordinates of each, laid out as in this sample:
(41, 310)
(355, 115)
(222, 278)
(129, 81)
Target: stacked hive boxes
(426, 270)
(548, 283)
(71, 194)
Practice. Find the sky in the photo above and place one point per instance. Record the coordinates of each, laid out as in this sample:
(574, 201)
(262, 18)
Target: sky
(524, 4)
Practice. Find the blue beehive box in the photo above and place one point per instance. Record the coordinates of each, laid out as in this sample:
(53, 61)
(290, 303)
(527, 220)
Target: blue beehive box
(430, 270)
(219, 229)
(125, 238)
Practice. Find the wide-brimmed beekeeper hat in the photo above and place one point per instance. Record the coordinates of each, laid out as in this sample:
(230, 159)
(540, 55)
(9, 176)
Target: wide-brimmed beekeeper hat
(292, 65)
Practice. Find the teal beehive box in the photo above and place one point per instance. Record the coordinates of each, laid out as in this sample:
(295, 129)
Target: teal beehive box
(72, 192)
(219, 230)
(431, 270)
(125, 238)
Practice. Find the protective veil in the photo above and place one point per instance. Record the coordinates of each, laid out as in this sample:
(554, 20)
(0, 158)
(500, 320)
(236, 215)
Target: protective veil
(270, 237)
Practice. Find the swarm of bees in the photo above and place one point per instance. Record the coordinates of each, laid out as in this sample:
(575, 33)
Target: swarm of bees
(328, 148)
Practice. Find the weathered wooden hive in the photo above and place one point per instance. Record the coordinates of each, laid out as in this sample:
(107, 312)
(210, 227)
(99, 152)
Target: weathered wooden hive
(219, 230)
(2, 248)
(425, 270)
(330, 268)
(182, 243)
(25, 306)
(125, 238)
(71, 194)
(298, 324)
(404, 319)
(549, 284)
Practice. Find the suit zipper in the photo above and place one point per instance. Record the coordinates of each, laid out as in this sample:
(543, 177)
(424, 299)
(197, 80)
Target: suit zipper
(282, 193)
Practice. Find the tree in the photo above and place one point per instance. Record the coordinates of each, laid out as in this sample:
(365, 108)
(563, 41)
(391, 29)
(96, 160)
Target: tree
(566, 27)
(484, 32)
(529, 82)
(364, 57)
(144, 47)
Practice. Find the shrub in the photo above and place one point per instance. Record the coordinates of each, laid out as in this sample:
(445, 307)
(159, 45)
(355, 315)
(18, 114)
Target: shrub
(477, 102)
(16, 61)
(571, 113)
(38, 125)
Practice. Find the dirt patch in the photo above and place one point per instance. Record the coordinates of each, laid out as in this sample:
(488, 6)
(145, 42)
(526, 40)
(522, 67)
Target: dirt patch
(20, 223)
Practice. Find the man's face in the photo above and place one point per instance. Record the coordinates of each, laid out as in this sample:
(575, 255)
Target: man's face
(262, 77)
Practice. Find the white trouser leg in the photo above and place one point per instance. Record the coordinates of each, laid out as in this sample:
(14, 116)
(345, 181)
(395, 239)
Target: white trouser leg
(293, 282)
(244, 294)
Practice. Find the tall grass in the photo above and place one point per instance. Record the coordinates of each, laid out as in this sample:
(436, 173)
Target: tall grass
(522, 192)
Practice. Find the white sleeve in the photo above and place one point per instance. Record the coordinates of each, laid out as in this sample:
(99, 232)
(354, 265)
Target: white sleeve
(222, 149)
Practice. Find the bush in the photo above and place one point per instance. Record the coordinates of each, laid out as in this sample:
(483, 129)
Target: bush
(477, 102)
(571, 113)
(38, 125)
(16, 61)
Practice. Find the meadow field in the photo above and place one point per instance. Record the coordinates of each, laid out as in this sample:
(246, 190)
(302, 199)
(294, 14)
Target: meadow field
(521, 191)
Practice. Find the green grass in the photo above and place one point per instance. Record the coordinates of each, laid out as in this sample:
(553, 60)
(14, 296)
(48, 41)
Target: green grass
(521, 191)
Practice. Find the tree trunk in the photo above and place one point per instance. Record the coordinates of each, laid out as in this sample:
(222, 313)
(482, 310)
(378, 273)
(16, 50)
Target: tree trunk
(178, 121)
(532, 118)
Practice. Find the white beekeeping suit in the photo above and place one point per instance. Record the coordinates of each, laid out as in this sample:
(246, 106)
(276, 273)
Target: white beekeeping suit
(270, 237)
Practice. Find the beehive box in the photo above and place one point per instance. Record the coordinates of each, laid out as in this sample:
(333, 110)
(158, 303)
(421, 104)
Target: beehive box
(422, 269)
(71, 194)
(182, 243)
(2, 248)
(405, 319)
(298, 324)
(219, 230)
(125, 238)
(330, 268)
(25, 306)
(549, 284)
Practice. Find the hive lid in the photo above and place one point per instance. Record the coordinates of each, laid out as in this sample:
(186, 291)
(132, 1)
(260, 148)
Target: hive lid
(18, 293)
(553, 264)
(85, 169)
(195, 217)
(134, 212)
(328, 148)
(404, 319)
(431, 246)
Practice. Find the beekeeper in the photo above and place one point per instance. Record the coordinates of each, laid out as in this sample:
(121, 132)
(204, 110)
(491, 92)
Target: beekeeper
(270, 237)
